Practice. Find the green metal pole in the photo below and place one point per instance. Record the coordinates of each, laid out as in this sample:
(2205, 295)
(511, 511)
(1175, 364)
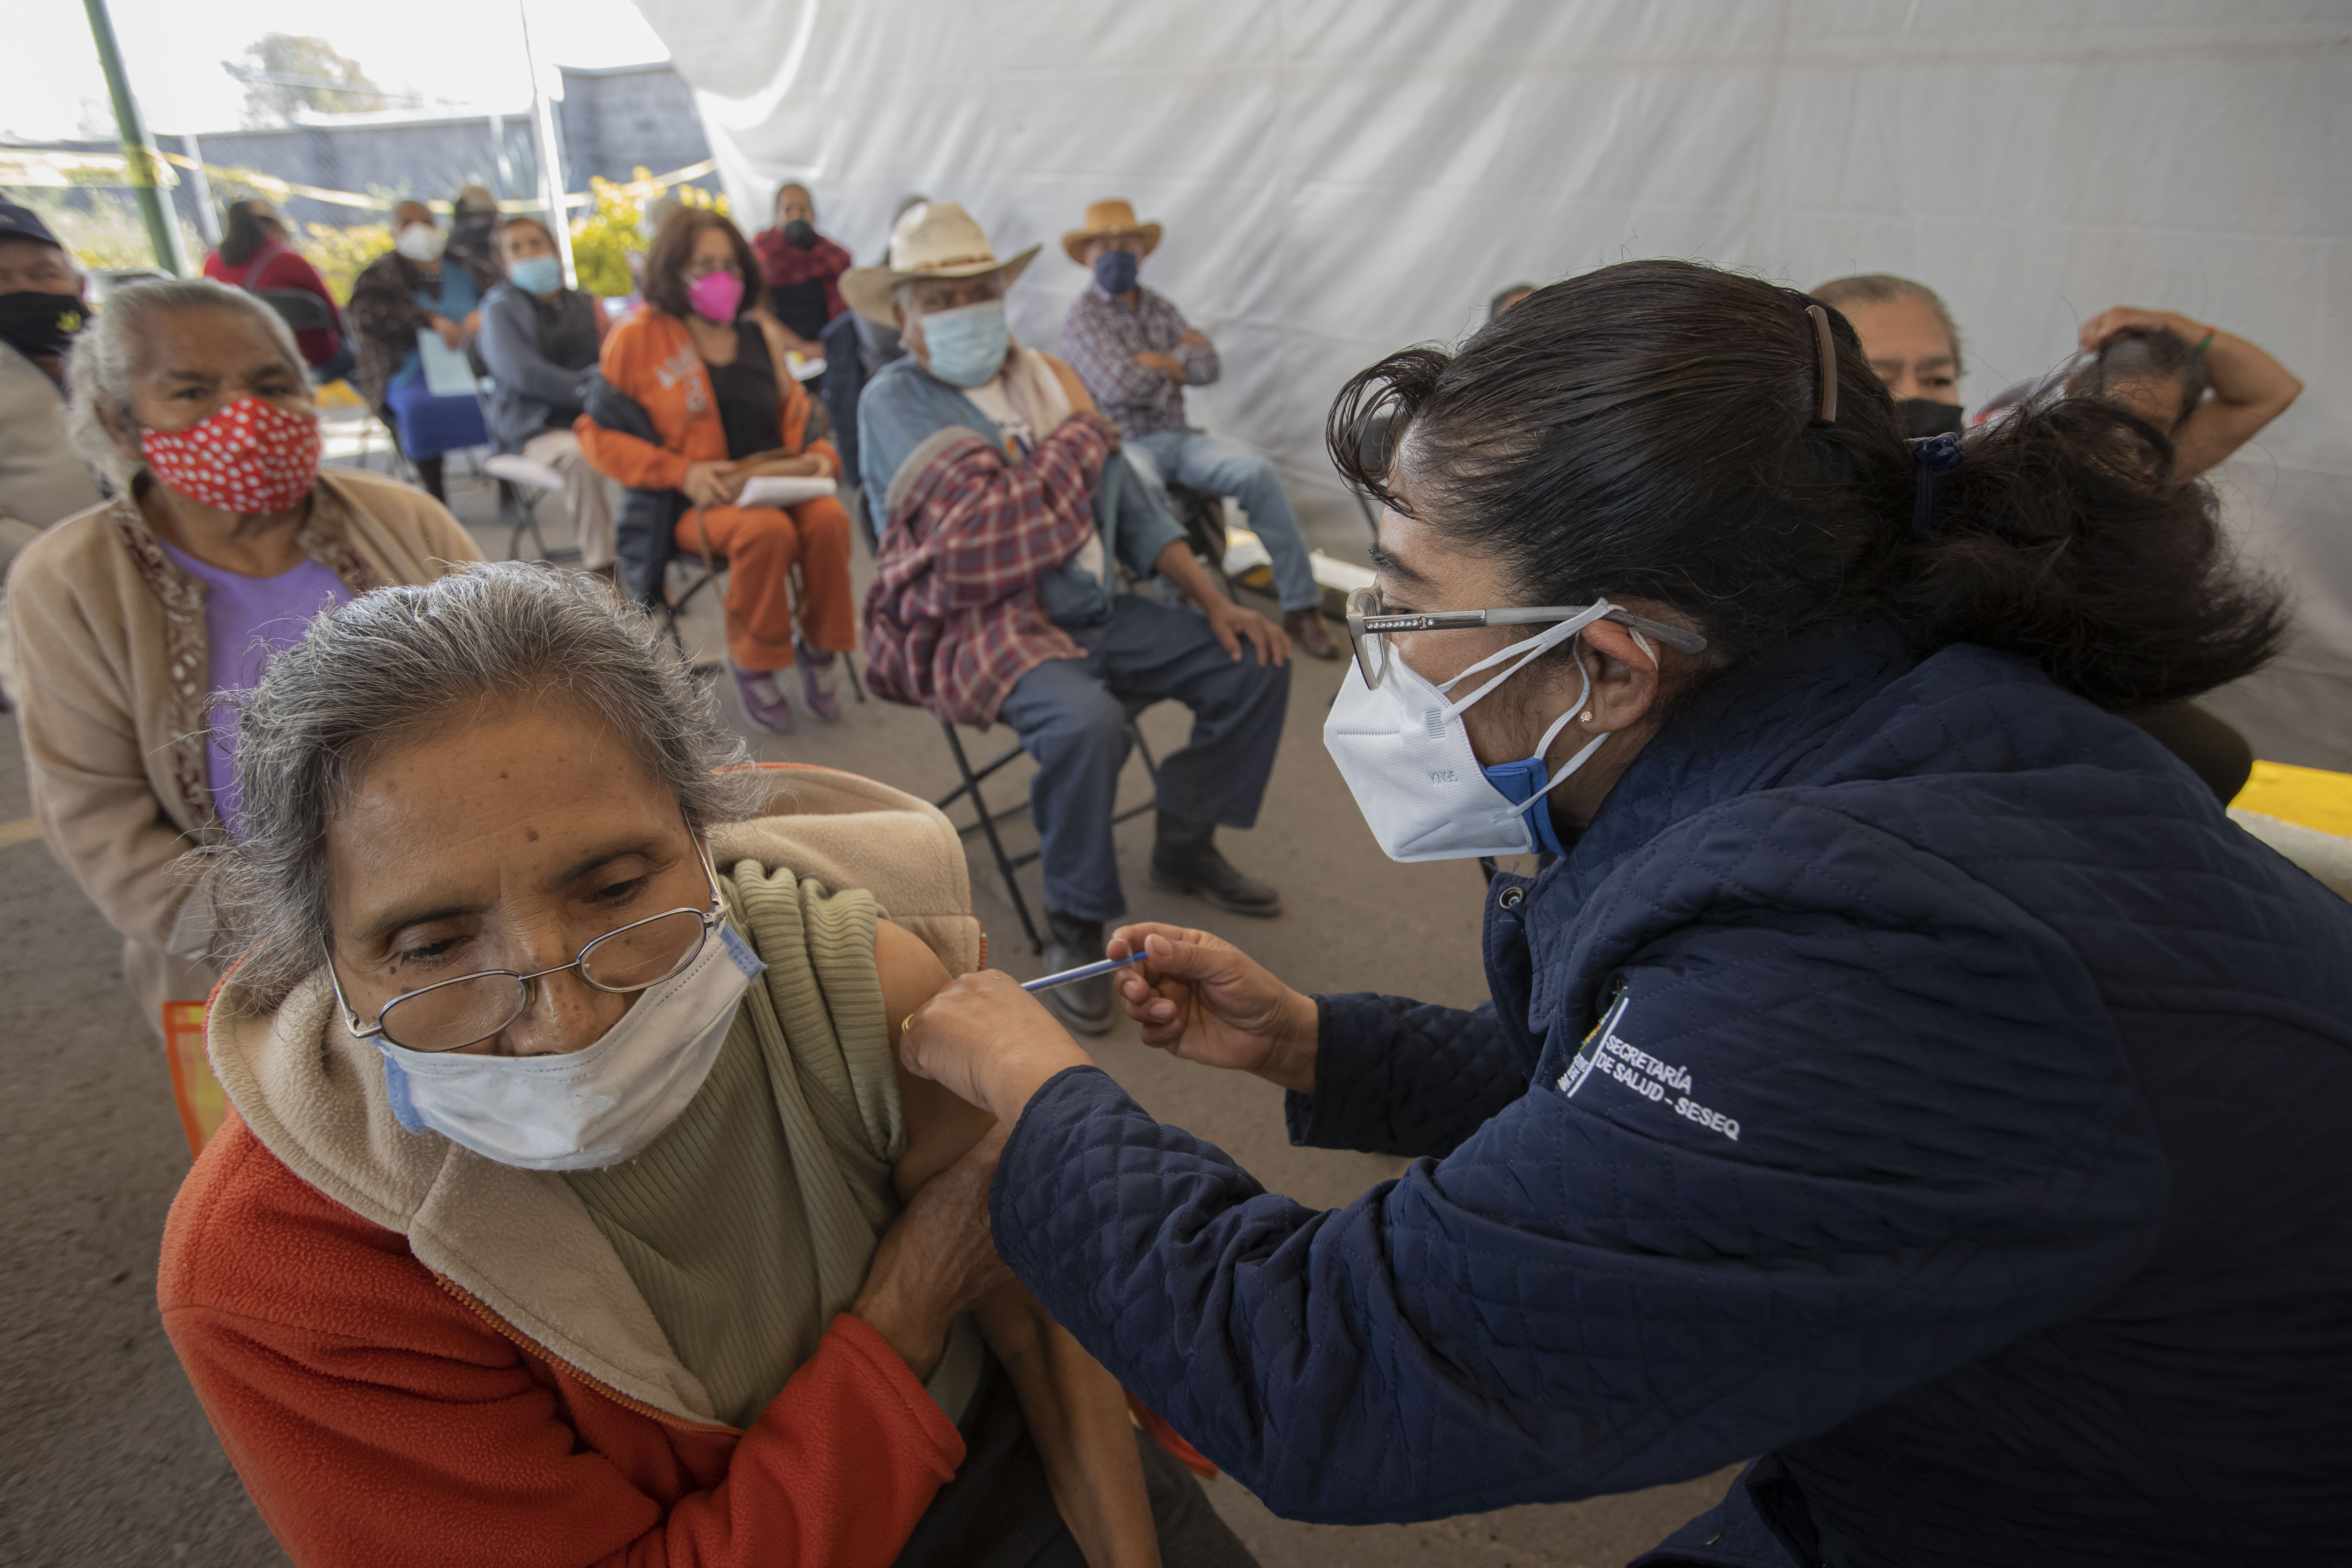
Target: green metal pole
(138, 148)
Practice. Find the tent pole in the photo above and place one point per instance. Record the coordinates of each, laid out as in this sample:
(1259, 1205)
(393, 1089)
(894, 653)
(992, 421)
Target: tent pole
(550, 154)
(138, 147)
(208, 221)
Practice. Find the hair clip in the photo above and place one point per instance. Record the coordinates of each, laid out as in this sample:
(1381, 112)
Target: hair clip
(1825, 349)
(1930, 455)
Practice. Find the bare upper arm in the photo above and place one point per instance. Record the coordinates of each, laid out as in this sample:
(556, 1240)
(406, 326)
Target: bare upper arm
(940, 1127)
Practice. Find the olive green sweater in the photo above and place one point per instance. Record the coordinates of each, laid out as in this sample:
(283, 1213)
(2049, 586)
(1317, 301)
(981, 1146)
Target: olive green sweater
(752, 1219)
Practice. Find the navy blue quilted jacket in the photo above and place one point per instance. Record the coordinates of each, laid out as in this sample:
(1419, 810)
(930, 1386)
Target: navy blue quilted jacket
(1911, 1078)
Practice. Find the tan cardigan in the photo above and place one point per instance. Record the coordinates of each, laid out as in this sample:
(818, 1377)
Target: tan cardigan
(110, 642)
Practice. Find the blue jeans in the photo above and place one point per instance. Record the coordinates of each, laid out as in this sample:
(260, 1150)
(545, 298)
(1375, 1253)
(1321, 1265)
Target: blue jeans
(1071, 717)
(1221, 467)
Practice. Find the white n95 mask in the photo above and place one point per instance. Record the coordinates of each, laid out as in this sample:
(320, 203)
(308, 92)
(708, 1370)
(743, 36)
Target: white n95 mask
(587, 1109)
(1406, 757)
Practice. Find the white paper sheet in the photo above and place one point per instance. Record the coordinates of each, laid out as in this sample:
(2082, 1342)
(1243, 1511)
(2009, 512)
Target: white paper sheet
(783, 489)
(446, 374)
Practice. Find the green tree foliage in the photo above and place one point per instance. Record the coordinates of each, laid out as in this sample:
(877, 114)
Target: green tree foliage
(620, 226)
(283, 73)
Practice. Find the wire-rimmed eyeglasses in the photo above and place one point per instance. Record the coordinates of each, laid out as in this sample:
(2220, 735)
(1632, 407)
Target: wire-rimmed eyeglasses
(450, 1015)
(1368, 624)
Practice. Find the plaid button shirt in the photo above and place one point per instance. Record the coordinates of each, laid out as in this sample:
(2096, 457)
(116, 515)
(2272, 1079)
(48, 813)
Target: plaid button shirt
(952, 618)
(1100, 338)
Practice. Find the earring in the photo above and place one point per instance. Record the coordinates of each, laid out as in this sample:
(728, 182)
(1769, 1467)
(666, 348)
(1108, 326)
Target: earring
(1587, 717)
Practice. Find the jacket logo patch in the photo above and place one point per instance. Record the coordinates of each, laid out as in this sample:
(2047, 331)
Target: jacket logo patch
(1611, 1056)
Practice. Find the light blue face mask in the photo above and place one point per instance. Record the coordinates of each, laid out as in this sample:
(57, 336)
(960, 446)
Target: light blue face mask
(536, 274)
(967, 345)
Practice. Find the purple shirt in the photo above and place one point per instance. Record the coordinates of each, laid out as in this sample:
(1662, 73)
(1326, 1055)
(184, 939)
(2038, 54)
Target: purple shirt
(246, 619)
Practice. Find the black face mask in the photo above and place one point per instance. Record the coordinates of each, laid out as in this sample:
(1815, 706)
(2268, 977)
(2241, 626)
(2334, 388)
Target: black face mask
(801, 232)
(37, 324)
(1926, 417)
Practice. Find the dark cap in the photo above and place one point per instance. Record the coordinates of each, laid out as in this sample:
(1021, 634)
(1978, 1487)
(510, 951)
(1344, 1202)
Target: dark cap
(26, 223)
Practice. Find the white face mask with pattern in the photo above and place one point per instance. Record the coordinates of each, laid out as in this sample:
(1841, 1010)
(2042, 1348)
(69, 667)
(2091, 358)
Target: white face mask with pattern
(1405, 753)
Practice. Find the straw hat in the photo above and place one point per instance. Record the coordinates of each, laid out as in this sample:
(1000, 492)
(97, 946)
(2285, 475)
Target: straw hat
(1108, 220)
(932, 239)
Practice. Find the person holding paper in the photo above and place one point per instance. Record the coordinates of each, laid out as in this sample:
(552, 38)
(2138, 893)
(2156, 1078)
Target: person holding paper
(691, 405)
(414, 310)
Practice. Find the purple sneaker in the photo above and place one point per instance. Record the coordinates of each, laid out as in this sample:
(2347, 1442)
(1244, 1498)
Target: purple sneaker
(764, 702)
(816, 681)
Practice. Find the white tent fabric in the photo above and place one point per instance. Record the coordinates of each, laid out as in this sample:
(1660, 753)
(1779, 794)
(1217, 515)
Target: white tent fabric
(1340, 177)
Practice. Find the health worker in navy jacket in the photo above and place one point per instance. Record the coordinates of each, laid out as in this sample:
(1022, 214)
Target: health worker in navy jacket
(1906, 1077)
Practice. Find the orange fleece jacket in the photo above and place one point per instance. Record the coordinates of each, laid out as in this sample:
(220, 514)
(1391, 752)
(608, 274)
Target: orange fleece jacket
(650, 357)
(379, 1416)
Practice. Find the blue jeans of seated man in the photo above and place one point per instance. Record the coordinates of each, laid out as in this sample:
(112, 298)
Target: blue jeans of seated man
(1070, 719)
(1220, 467)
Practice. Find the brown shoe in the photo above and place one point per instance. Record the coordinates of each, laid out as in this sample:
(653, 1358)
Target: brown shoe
(1307, 634)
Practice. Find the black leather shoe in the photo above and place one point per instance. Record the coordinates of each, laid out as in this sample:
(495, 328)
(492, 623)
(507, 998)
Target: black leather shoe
(1194, 865)
(1084, 1006)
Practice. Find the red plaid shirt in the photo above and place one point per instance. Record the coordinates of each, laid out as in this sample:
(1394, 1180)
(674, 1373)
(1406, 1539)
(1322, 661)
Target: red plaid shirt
(783, 264)
(952, 618)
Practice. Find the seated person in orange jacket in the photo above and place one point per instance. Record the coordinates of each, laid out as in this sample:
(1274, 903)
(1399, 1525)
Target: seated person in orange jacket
(707, 370)
(574, 1209)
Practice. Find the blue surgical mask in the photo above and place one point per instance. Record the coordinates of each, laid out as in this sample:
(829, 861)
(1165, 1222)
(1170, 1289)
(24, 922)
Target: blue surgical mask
(1115, 270)
(536, 274)
(967, 345)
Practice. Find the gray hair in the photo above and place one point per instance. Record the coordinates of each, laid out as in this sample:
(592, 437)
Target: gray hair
(1883, 287)
(114, 348)
(398, 661)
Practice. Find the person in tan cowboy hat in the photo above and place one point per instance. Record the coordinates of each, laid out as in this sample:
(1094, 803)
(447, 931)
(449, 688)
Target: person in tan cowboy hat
(1137, 354)
(1005, 508)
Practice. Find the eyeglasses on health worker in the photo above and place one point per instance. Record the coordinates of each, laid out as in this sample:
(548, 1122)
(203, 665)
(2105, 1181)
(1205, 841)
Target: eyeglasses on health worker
(1906, 1078)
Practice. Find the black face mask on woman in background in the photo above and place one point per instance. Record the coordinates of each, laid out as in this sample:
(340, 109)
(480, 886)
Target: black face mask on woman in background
(801, 232)
(1926, 417)
(38, 324)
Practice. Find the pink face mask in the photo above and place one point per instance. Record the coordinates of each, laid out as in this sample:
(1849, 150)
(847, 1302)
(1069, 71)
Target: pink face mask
(251, 457)
(716, 296)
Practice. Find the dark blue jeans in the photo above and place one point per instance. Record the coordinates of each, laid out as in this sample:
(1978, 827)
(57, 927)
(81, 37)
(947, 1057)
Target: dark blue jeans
(1071, 716)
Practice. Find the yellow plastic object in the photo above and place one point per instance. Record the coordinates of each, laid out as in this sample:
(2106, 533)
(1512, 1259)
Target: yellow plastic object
(2312, 797)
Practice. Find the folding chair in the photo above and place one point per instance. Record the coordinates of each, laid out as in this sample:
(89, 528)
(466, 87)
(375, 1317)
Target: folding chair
(985, 824)
(1203, 517)
(670, 607)
(521, 483)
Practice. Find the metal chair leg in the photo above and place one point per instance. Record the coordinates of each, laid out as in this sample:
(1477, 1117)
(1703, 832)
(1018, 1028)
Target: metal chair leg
(971, 787)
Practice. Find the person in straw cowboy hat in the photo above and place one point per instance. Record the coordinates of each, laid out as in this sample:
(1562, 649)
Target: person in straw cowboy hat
(1005, 505)
(1137, 354)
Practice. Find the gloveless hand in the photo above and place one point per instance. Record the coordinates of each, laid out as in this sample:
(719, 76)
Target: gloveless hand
(1233, 625)
(2121, 318)
(1199, 997)
(709, 483)
(936, 1261)
(985, 1040)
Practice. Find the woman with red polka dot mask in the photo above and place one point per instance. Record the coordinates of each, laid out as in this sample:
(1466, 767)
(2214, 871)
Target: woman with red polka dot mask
(138, 623)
